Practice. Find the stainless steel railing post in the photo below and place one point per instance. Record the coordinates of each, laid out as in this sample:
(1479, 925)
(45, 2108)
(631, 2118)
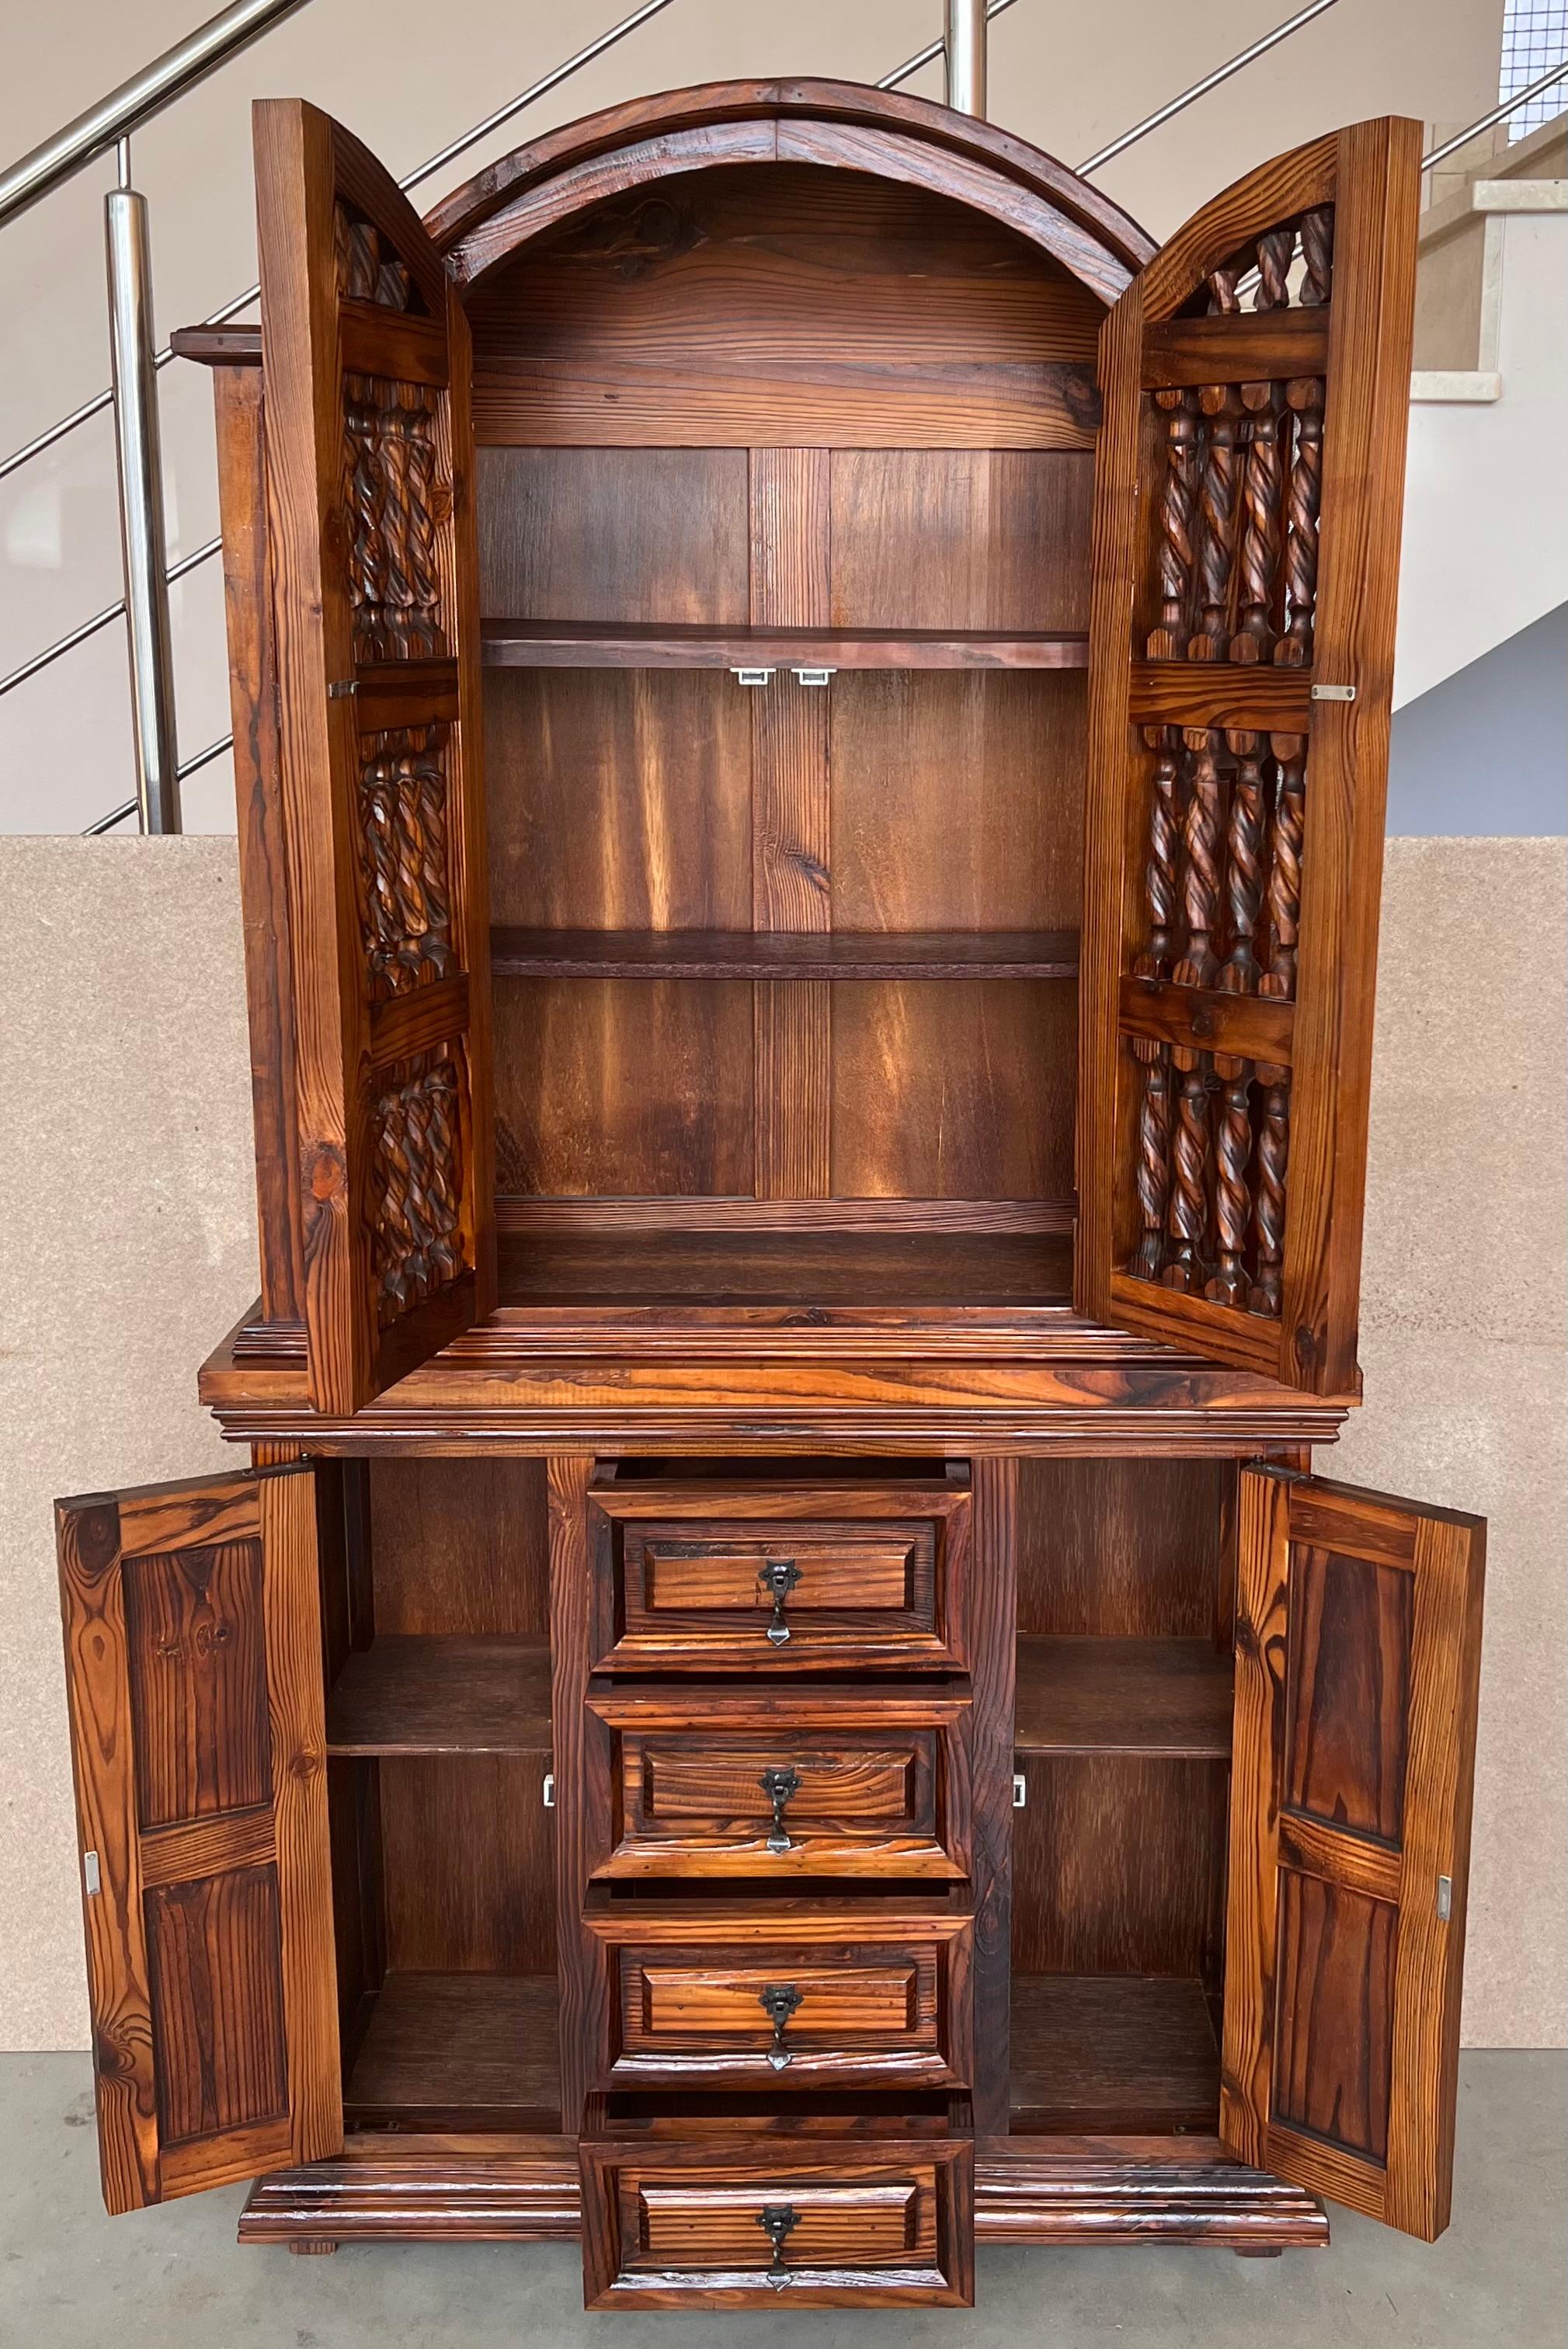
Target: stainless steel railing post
(140, 461)
(965, 57)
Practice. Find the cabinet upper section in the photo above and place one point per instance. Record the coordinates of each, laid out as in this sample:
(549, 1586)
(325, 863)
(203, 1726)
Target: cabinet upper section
(781, 1017)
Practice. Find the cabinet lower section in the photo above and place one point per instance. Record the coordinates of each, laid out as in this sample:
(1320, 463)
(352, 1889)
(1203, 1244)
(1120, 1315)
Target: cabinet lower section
(1058, 2190)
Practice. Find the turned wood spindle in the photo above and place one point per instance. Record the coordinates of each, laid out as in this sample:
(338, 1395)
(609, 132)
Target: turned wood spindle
(1223, 299)
(1263, 526)
(1161, 876)
(1303, 396)
(1284, 864)
(1244, 865)
(1202, 833)
(1179, 496)
(1153, 1057)
(1276, 251)
(1317, 256)
(1232, 1195)
(1187, 1216)
(1220, 403)
(1268, 1207)
(1153, 1171)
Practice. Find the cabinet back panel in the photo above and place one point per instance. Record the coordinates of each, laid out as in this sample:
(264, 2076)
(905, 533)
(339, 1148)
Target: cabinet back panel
(468, 1864)
(953, 1091)
(784, 304)
(608, 1088)
(1124, 1549)
(619, 799)
(629, 534)
(1119, 1867)
(961, 538)
(460, 1546)
(956, 801)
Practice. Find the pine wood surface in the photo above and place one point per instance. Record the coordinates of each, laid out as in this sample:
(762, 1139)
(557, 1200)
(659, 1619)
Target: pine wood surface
(430, 1694)
(540, 644)
(782, 955)
(1123, 1696)
(458, 2051)
(1093, 2053)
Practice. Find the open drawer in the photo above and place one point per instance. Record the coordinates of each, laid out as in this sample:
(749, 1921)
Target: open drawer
(718, 1575)
(722, 2220)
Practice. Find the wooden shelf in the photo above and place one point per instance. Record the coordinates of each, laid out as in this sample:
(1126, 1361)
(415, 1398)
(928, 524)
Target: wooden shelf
(802, 1270)
(458, 2051)
(1112, 2052)
(589, 643)
(743, 954)
(434, 1695)
(1153, 1697)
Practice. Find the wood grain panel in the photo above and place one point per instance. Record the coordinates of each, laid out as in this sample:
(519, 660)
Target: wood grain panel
(458, 2051)
(992, 1643)
(1120, 1548)
(1333, 2055)
(1347, 1692)
(195, 1640)
(960, 538)
(607, 1089)
(1101, 2052)
(944, 1091)
(958, 801)
(217, 2003)
(582, 1791)
(466, 1846)
(1118, 1866)
(619, 800)
(460, 1545)
(613, 533)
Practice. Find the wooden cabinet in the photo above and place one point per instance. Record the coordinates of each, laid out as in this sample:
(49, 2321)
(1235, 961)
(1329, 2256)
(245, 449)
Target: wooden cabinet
(780, 1692)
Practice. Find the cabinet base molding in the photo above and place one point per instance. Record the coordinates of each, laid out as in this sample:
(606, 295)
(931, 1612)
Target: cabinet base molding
(1056, 2190)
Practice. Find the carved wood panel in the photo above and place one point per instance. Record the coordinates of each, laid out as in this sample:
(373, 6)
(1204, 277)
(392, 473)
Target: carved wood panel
(397, 495)
(407, 908)
(417, 1181)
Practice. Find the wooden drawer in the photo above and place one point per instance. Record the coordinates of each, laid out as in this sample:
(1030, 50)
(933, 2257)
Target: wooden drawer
(746, 2221)
(704, 1576)
(857, 1782)
(802, 1993)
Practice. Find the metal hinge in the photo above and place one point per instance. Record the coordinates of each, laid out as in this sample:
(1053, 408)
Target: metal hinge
(343, 690)
(549, 1790)
(1445, 1899)
(1020, 1791)
(752, 676)
(92, 1874)
(1334, 693)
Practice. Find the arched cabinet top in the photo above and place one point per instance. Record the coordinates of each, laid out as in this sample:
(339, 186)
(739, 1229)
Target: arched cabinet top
(841, 126)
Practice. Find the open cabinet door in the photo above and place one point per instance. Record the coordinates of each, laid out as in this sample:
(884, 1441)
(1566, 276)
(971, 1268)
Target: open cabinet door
(198, 1745)
(1249, 483)
(1358, 1662)
(369, 462)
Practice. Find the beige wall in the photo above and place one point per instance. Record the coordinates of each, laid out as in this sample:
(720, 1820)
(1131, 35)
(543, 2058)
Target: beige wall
(130, 1247)
(1070, 79)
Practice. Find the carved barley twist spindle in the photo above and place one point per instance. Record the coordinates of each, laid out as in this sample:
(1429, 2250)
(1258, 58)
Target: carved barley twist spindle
(392, 457)
(1268, 1208)
(416, 422)
(1153, 1172)
(1284, 864)
(1317, 256)
(1232, 1194)
(1263, 526)
(1177, 499)
(1223, 299)
(1276, 250)
(364, 493)
(1244, 865)
(1187, 1217)
(1160, 878)
(1216, 555)
(1202, 833)
(426, 774)
(1305, 397)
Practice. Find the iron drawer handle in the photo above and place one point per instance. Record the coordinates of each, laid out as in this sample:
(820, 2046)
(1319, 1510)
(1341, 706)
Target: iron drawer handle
(779, 2002)
(779, 1786)
(779, 1576)
(778, 2221)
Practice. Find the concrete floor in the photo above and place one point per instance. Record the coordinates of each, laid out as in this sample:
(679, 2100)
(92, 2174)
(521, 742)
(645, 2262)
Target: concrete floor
(175, 2279)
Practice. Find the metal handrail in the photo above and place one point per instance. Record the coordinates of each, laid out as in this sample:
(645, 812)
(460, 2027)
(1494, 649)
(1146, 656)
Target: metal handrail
(1500, 113)
(136, 102)
(1200, 88)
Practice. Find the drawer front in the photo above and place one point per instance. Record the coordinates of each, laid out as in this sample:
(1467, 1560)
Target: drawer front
(729, 1999)
(871, 1781)
(742, 2222)
(701, 1578)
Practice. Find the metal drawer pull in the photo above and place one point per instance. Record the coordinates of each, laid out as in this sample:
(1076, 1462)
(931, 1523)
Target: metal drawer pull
(779, 2002)
(779, 1786)
(778, 2221)
(780, 1577)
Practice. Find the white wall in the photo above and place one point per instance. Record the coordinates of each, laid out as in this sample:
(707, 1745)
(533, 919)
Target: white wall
(1069, 79)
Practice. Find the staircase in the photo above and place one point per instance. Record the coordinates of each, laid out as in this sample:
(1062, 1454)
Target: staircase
(1485, 552)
